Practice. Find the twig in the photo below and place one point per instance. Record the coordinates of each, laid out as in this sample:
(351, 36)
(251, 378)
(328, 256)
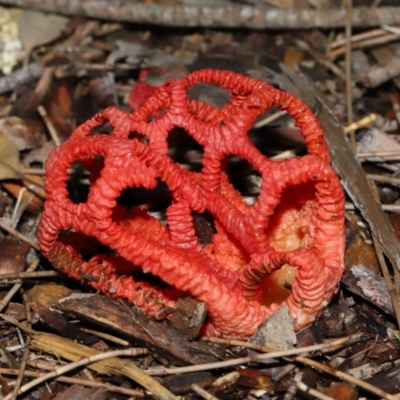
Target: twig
(284, 155)
(20, 206)
(83, 361)
(203, 393)
(76, 381)
(270, 118)
(388, 155)
(359, 37)
(361, 123)
(33, 171)
(28, 275)
(383, 178)
(25, 355)
(385, 207)
(325, 347)
(325, 62)
(315, 393)
(20, 281)
(230, 16)
(50, 127)
(15, 288)
(64, 348)
(291, 391)
(322, 367)
(379, 40)
(346, 377)
(385, 270)
(349, 81)
(19, 235)
(107, 337)
(244, 360)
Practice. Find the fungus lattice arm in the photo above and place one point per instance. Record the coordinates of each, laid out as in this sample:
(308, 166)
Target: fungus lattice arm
(297, 219)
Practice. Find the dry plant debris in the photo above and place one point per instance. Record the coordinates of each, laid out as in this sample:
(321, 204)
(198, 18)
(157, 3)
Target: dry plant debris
(61, 340)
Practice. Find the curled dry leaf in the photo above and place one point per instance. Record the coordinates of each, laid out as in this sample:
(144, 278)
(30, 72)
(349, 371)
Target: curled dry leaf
(59, 109)
(376, 141)
(25, 134)
(9, 159)
(14, 181)
(38, 155)
(37, 28)
(34, 193)
(12, 255)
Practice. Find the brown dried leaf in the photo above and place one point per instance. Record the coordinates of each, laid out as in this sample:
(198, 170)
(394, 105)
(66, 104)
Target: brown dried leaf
(375, 141)
(80, 393)
(59, 109)
(37, 28)
(365, 283)
(358, 251)
(292, 57)
(25, 134)
(341, 390)
(39, 155)
(33, 196)
(12, 255)
(9, 159)
(48, 294)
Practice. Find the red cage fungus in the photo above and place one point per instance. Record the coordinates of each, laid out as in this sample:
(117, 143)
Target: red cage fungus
(297, 219)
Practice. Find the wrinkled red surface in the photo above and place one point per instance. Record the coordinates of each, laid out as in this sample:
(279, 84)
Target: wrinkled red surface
(297, 219)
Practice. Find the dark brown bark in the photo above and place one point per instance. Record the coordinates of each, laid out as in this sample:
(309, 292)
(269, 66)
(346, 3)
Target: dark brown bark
(137, 327)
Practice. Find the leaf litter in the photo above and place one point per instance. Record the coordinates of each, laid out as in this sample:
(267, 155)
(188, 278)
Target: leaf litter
(352, 351)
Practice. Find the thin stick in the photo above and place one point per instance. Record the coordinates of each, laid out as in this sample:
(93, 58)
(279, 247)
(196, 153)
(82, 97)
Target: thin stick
(203, 393)
(127, 369)
(358, 38)
(346, 377)
(322, 367)
(33, 171)
(385, 207)
(50, 127)
(349, 83)
(244, 360)
(4, 302)
(361, 123)
(29, 275)
(77, 381)
(384, 267)
(392, 155)
(321, 59)
(325, 347)
(19, 235)
(83, 361)
(383, 178)
(270, 118)
(26, 352)
(106, 336)
(284, 155)
(315, 393)
(386, 38)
